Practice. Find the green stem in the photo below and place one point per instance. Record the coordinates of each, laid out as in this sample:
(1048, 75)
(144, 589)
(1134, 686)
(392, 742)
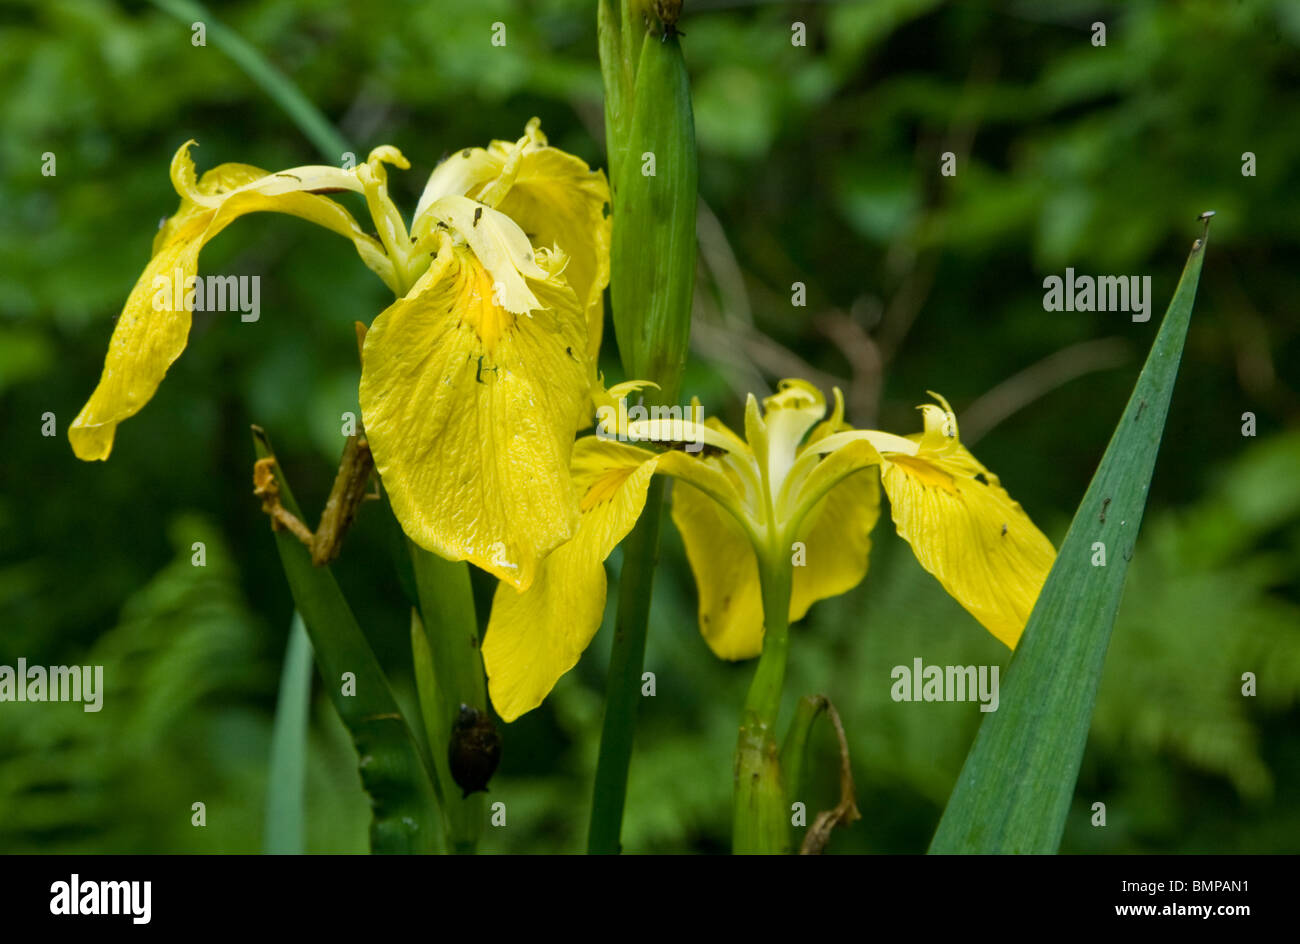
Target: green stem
(626, 663)
(451, 630)
(278, 87)
(761, 825)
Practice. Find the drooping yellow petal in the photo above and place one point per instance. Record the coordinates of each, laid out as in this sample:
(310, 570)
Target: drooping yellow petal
(726, 573)
(155, 322)
(536, 636)
(470, 411)
(965, 529)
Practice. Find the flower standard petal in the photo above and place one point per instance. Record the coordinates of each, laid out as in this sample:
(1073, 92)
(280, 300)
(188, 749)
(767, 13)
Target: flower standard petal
(470, 409)
(560, 201)
(534, 637)
(464, 174)
(788, 415)
(155, 322)
(555, 197)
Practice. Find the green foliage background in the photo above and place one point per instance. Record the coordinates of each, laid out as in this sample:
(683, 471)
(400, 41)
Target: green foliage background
(818, 165)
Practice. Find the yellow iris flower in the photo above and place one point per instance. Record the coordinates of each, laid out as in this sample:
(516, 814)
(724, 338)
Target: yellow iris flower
(797, 478)
(473, 381)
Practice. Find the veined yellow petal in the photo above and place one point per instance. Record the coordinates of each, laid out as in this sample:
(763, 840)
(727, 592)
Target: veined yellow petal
(534, 637)
(470, 411)
(732, 480)
(966, 530)
(714, 477)
(155, 322)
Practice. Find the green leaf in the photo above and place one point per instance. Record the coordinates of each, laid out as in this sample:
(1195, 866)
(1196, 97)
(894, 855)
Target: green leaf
(1014, 792)
(286, 778)
(393, 771)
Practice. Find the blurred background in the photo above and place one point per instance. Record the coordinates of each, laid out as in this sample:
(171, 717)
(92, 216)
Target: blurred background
(818, 165)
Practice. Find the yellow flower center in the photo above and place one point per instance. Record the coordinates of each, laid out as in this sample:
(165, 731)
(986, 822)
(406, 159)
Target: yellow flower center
(477, 301)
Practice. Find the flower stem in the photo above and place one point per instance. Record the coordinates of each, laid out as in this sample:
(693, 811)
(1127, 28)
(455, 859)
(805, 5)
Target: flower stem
(760, 824)
(451, 630)
(626, 662)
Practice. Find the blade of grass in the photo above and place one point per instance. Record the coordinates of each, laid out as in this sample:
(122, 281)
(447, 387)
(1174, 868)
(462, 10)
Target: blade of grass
(394, 772)
(286, 776)
(1014, 791)
(278, 87)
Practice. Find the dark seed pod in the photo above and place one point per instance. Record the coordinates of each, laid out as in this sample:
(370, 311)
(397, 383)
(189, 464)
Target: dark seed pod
(475, 750)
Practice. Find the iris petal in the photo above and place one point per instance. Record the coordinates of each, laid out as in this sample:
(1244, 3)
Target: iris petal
(470, 409)
(534, 637)
(966, 530)
(154, 325)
